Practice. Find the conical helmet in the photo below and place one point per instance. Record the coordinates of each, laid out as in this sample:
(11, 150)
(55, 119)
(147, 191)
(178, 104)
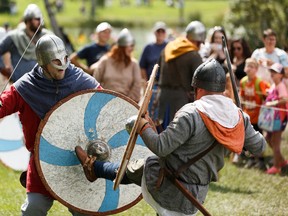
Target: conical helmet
(125, 38)
(50, 47)
(210, 76)
(196, 31)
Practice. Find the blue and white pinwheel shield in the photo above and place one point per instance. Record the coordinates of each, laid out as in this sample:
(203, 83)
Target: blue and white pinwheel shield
(87, 116)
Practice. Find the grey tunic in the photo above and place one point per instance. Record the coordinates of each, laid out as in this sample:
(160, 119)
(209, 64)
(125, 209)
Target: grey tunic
(184, 138)
(16, 42)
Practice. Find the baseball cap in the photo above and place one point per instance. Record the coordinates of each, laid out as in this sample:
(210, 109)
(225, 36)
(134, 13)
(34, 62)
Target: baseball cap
(159, 25)
(102, 27)
(277, 67)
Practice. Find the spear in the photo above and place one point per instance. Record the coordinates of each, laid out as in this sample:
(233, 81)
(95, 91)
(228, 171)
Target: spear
(232, 76)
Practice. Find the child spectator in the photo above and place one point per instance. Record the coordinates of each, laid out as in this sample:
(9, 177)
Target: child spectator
(253, 91)
(277, 97)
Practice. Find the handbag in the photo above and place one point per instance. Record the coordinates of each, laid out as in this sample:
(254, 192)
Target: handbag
(269, 119)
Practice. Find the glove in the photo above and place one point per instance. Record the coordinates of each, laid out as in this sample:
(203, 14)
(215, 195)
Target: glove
(131, 121)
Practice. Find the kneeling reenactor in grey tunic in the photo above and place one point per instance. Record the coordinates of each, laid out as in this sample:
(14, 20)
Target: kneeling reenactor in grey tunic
(211, 122)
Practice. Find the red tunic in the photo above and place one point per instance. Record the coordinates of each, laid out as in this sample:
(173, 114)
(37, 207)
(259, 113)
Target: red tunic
(12, 102)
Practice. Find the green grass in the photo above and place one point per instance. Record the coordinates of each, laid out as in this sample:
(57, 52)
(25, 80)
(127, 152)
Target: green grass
(239, 192)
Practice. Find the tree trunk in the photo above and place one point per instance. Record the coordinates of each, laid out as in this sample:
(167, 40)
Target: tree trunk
(93, 8)
(53, 21)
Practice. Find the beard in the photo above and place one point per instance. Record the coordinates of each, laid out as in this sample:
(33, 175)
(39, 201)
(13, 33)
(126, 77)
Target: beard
(34, 28)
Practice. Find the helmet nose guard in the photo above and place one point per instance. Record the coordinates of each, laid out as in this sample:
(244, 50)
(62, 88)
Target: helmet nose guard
(50, 47)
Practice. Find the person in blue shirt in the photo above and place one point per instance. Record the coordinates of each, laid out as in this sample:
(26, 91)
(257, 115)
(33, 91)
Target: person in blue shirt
(149, 58)
(91, 53)
(152, 51)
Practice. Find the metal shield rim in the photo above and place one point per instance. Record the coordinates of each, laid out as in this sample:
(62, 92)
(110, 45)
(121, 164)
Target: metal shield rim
(37, 159)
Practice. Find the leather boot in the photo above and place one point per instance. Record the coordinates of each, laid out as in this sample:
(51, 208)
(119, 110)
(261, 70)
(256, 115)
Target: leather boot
(87, 163)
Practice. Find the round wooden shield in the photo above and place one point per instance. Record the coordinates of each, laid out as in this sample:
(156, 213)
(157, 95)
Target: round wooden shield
(13, 152)
(76, 120)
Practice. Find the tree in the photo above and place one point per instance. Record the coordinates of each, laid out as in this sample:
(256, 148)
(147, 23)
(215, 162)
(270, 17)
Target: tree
(5, 6)
(53, 21)
(254, 16)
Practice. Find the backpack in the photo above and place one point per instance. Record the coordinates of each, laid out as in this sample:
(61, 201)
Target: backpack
(257, 85)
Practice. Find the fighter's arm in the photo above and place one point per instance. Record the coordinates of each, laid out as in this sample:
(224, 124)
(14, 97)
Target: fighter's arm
(10, 101)
(175, 135)
(254, 141)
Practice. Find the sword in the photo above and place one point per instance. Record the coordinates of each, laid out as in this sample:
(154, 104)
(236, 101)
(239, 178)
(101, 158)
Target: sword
(186, 193)
(232, 76)
(4, 87)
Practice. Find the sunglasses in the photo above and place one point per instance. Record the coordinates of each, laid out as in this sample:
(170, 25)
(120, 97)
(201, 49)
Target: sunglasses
(160, 31)
(237, 48)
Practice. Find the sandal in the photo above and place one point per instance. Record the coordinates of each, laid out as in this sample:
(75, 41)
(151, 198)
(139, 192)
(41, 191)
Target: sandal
(87, 163)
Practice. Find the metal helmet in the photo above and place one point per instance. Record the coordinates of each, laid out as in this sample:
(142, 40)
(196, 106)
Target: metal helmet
(32, 11)
(196, 31)
(210, 76)
(50, 47)
(125, 38)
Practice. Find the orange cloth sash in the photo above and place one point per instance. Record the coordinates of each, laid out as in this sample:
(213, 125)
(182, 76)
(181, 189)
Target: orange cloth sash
(231, 138)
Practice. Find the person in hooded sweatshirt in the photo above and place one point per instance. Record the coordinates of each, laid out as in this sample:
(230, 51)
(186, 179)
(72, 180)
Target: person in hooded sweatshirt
(32, 96)
(179, 60)
(212, 124)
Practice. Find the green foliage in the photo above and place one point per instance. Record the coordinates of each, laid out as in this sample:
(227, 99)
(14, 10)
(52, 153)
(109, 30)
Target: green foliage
(257, 15)
(195, 16)
(5, 6)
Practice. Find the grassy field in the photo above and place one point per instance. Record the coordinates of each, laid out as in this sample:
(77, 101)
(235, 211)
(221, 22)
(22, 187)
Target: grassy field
(208, 11)
(239, 192)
